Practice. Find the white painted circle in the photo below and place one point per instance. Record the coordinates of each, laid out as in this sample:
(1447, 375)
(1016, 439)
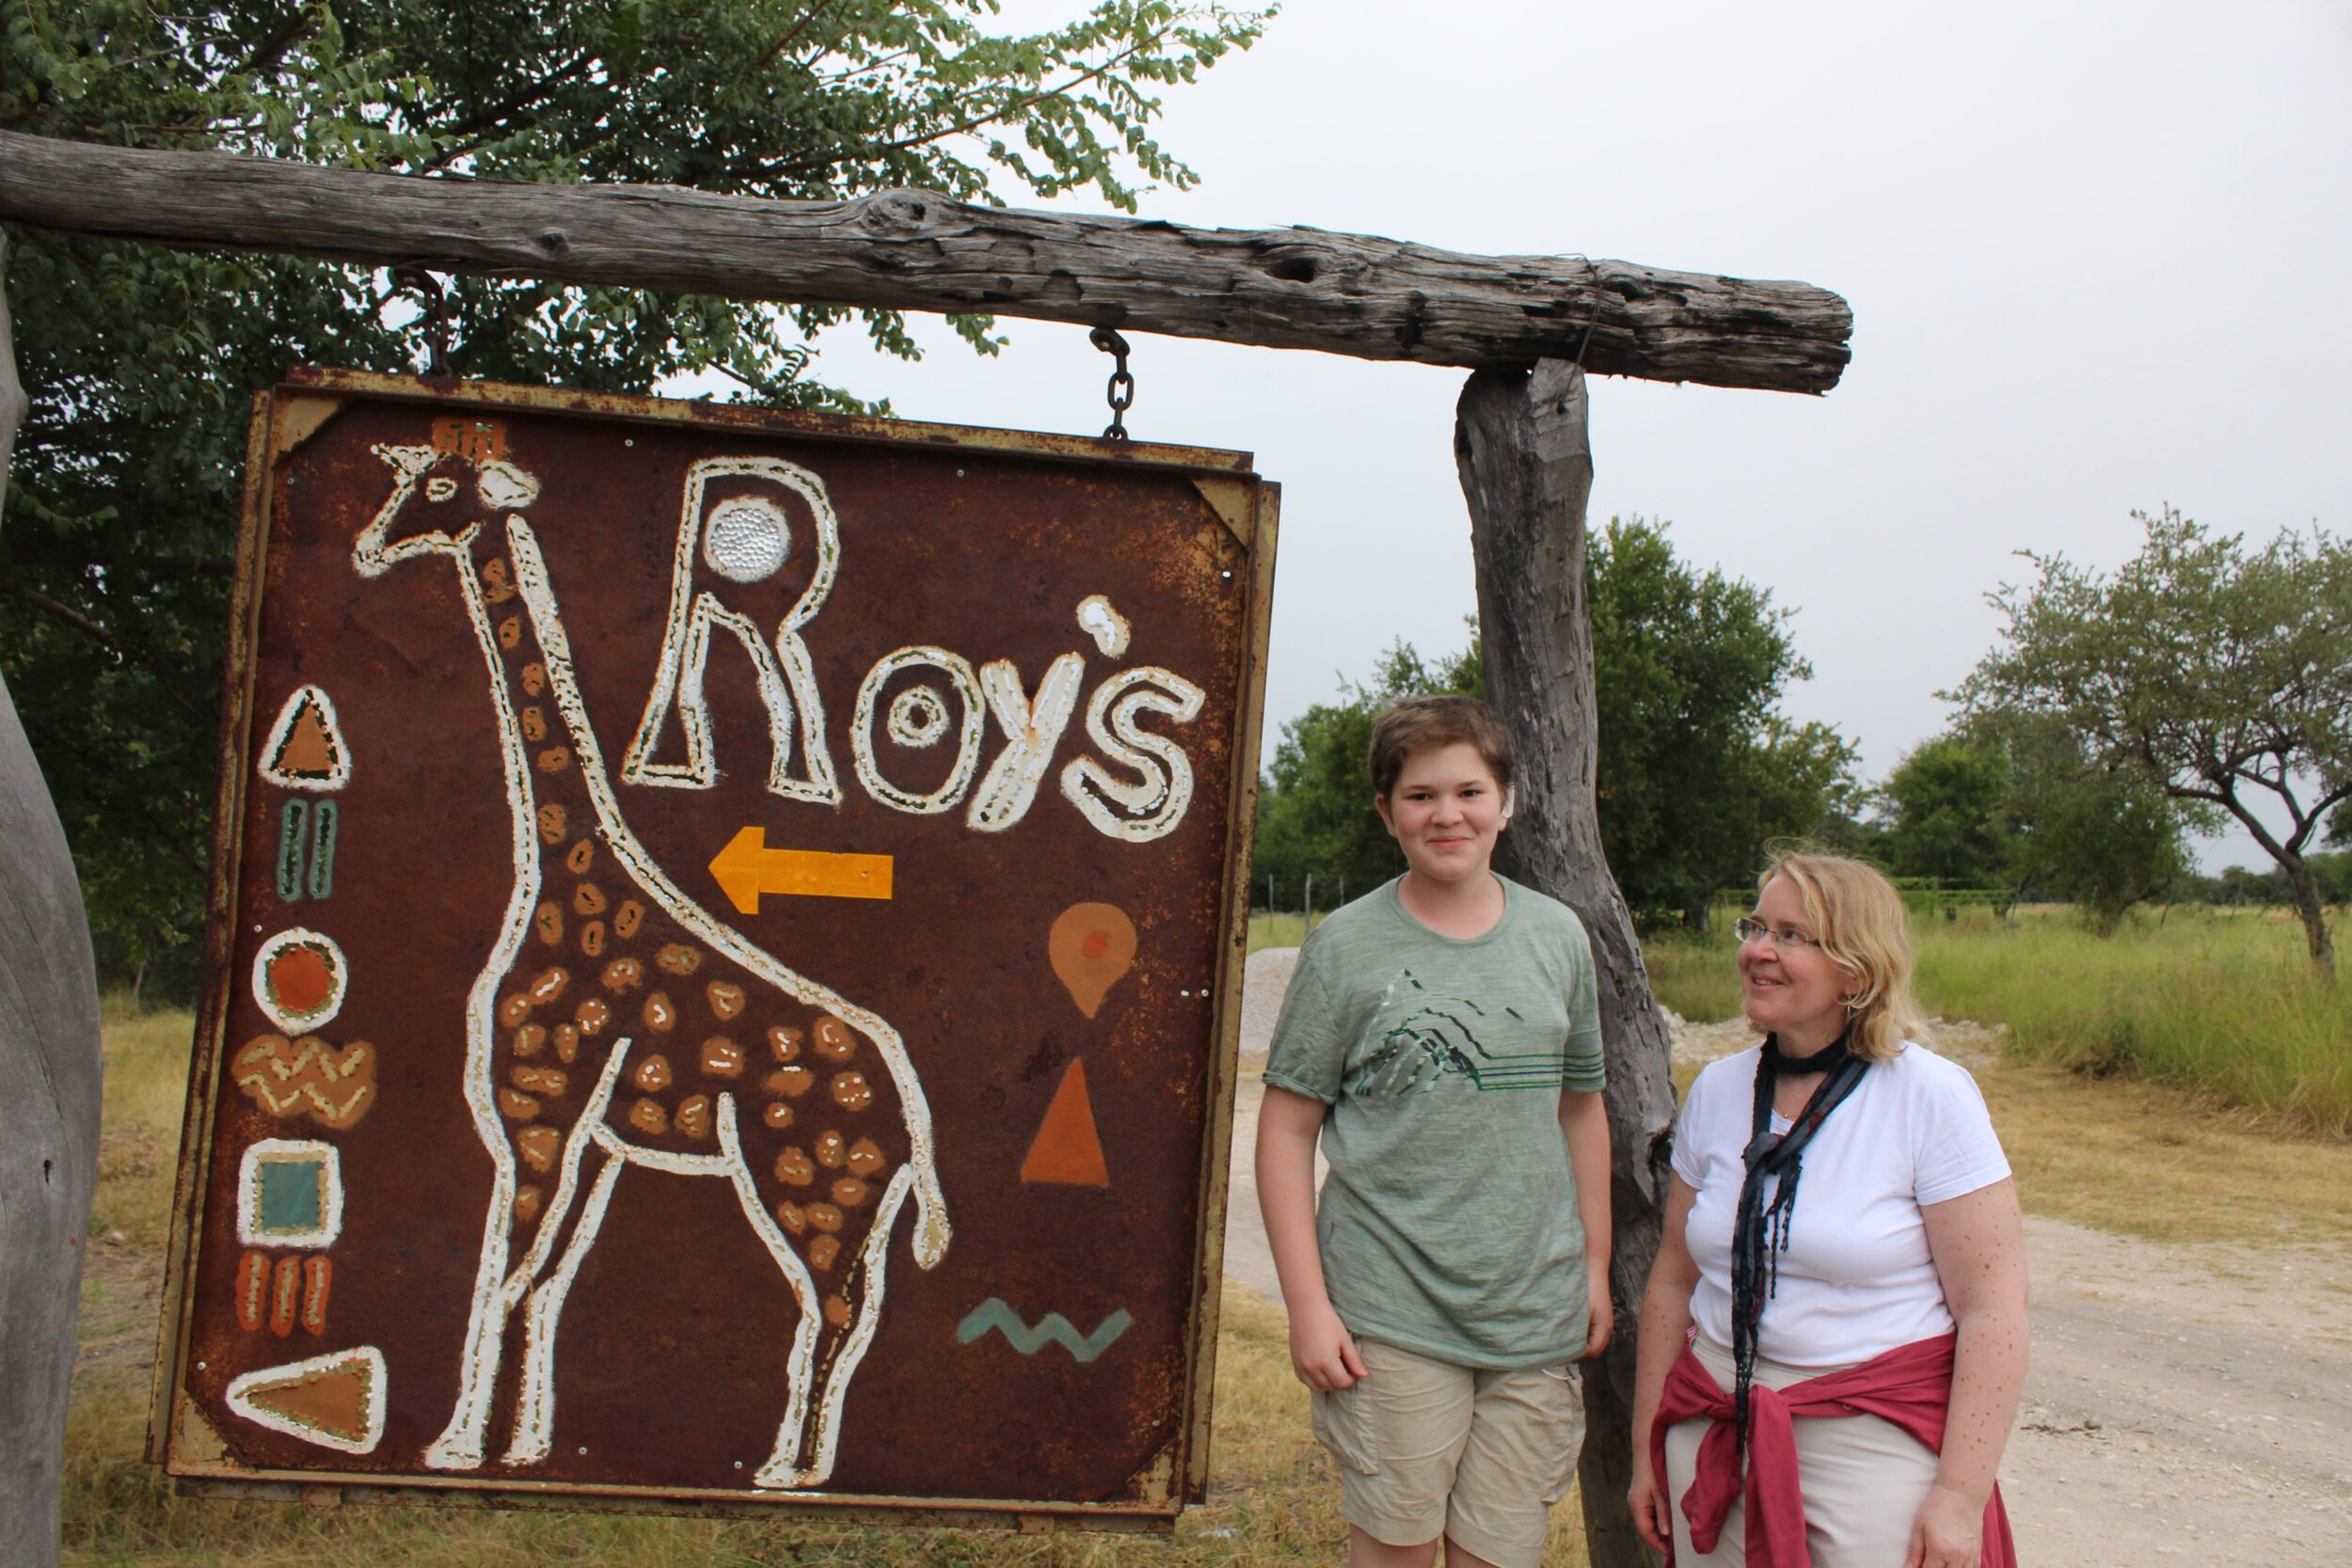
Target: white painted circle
(290, 1013)
(746, 538)
(918, 716)
(974, 704)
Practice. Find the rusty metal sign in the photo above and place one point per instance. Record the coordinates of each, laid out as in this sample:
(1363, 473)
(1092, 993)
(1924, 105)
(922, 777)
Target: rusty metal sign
(724, 961)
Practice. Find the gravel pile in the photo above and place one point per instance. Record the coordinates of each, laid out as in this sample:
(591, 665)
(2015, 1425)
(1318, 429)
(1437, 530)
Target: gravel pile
(1264, 977)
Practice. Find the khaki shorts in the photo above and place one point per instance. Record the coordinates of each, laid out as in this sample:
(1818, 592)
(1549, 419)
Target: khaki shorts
(1426, 1449)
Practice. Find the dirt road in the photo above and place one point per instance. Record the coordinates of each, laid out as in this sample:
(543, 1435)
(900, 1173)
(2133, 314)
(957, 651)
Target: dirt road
(2190, 1402)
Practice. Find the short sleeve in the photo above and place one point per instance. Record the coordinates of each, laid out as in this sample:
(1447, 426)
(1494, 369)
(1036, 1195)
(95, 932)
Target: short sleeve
(1688, 1162)
(1956, 1151)
(1308, 1054)
(1583, 1071)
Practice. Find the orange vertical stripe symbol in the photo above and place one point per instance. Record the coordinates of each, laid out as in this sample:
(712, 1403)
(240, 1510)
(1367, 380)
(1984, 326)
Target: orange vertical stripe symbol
(1067, 1152)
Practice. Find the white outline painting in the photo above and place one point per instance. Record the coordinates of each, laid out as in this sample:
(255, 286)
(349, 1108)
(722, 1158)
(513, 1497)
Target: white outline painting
(338, 771)
(731, 544)
(593, 1152)
(338, 978)
(1153, 803)
(290, 1151)
(371, 1411)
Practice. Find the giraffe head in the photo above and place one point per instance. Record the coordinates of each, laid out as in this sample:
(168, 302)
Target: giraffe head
(440, 495)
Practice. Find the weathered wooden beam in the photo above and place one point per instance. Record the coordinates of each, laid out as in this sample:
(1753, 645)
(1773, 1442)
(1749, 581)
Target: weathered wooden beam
(916, 250)
(1526, 460)
(49, 1076)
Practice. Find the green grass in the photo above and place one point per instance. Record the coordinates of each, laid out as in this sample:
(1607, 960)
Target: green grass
(1273, 1498)
(1267, 929)
(2222, 1003)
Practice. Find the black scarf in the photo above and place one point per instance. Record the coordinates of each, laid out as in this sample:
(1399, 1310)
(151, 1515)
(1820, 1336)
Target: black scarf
(1761, 1233)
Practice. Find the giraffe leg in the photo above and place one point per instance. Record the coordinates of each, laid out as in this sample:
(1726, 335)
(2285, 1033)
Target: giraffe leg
(460, 1444)
(866, 1317)
(534, 1414)
(781, 1469)
(498, 1291)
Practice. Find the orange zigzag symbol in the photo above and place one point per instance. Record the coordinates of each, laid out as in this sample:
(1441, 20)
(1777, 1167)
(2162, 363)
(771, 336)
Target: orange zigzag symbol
(307, 1077)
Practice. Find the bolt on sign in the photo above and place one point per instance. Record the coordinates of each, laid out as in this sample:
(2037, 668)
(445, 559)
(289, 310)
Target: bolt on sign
(724, 962)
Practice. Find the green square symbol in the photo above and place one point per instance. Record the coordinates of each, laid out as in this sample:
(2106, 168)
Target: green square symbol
(293, 1197)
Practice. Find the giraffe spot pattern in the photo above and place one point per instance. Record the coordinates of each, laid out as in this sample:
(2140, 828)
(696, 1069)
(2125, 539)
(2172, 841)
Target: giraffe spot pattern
(819, 1174)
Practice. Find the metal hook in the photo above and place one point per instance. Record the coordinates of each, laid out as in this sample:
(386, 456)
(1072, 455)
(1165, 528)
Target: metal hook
(436, 318)
(1122, 385)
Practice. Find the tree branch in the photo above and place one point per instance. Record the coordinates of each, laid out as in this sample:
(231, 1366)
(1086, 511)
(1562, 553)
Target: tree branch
(70, 616)
(97, 632)
(1015, 107)
(790, 35)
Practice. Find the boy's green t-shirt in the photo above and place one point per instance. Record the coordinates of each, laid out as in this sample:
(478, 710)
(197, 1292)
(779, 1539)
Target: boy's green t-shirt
(1448, 1224)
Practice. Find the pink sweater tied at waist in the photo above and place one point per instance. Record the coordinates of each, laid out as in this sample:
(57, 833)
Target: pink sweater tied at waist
(1910, 1386)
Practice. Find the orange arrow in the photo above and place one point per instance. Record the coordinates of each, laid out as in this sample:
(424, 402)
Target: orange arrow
(747, 868)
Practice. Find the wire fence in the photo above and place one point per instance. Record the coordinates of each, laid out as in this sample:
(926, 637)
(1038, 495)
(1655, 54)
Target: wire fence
(1283, 911)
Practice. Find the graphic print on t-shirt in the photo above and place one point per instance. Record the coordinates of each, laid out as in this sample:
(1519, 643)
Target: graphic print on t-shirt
(1417, 1035)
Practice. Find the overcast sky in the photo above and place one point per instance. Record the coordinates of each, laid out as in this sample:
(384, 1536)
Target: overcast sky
(2100, 257)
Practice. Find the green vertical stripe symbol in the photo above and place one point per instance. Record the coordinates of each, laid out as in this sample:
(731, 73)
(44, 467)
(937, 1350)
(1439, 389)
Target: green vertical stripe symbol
(293, 828)
(323, 826)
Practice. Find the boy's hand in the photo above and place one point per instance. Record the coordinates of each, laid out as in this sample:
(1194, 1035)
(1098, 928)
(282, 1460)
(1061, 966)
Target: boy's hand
(1323, 1353)
(1604, 1314)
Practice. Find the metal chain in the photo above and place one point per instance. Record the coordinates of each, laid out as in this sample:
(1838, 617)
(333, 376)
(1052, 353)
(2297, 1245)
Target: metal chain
(436, 318)
(1122, 392)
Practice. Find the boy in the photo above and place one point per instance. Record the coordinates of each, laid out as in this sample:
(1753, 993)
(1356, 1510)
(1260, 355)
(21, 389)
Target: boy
(1459, 1263)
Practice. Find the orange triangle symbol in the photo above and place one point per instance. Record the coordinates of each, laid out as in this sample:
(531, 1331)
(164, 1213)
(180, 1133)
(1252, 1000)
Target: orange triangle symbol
(1067, 1152)
(308, 750)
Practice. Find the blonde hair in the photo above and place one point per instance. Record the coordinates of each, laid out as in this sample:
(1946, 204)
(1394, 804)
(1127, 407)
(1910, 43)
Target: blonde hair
(1863, 929)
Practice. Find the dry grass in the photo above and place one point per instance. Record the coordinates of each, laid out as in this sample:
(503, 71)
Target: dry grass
(1272, 1497)
(2146, 1160)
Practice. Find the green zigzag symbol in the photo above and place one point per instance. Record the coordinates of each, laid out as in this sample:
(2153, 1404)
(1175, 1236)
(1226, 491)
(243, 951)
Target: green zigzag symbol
(1051, 1328)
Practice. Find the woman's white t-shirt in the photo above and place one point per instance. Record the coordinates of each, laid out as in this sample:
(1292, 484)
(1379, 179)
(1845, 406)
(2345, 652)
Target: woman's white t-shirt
(1857, 1279)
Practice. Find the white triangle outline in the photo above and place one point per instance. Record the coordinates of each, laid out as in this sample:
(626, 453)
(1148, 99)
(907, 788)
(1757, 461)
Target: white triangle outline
(337, 776)
(242, 1387)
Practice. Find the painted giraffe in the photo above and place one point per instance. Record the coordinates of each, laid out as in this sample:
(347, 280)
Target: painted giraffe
(616, 1022)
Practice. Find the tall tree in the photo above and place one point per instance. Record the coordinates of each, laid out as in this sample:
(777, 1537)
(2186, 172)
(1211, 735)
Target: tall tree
(2222, 670)
(2103, 838)
(114, 544)
(1697, 769)
(1946, 803)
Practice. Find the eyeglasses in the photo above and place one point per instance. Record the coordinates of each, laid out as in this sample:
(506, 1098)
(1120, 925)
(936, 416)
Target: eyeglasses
(1756, 930)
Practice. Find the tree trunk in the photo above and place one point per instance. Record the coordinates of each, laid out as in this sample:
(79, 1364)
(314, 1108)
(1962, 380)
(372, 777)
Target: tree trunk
(2314, 910)
(916, 250)
(49, 1077)
(1527, 470)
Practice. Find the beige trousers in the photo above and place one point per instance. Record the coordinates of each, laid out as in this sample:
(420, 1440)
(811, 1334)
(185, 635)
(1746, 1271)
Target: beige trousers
(1864, 1480)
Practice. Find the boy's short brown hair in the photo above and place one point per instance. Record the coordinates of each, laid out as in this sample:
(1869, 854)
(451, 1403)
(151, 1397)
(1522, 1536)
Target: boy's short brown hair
(1412, 724)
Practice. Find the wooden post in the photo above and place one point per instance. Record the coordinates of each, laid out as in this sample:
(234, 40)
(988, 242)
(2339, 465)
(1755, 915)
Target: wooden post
(49, 1076)
(1357, 294)
(1527, 470)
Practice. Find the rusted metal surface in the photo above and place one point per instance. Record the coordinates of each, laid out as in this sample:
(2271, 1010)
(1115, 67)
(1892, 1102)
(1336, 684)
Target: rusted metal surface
(724, 962)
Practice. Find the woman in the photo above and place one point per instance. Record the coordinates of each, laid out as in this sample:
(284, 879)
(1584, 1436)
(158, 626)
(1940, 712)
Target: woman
(1842, 1247)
